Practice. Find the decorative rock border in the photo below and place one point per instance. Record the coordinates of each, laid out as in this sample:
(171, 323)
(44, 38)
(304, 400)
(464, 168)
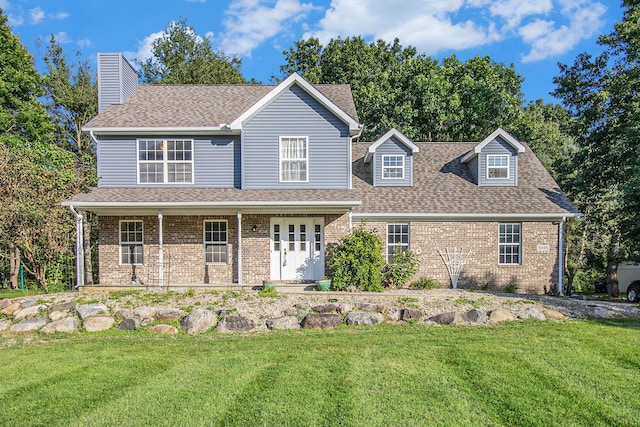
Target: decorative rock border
(65, 314)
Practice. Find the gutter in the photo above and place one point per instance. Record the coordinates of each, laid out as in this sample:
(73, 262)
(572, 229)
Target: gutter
(464, 216)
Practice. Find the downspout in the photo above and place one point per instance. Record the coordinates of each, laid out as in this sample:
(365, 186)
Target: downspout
(160, 253)
(79, 249)
(239, 248)
(561, 257)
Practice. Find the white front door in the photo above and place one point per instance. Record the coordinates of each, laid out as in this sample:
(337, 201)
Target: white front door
(297, 248)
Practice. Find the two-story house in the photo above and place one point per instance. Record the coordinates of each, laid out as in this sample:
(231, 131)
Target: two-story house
(236, 184)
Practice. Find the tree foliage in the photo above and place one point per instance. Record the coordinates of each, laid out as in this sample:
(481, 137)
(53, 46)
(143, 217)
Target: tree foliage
(181, 56)
(396, 87)
(601, 93)
(36, 174)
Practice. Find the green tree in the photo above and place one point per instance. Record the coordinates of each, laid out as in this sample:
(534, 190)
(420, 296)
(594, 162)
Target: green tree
(72, 100)
(181, 56)
(35, 173)
(602, 94)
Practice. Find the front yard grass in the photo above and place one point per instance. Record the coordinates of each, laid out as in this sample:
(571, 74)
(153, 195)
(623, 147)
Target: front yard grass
(523, 373)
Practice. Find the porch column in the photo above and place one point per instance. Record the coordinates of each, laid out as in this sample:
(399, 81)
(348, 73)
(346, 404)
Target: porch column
(561, 257)
(79, 248)
(160, 254)
(239, 251)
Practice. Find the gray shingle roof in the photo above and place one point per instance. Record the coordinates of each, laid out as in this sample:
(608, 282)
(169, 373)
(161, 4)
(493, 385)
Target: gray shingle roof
(444, 185)
(199, 105)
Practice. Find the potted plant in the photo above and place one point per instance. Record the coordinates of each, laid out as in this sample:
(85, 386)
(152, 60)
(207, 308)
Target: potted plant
(268, 284)
(323, 284)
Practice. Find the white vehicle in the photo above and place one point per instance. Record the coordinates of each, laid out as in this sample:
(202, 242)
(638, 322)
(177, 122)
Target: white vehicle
(629, 280)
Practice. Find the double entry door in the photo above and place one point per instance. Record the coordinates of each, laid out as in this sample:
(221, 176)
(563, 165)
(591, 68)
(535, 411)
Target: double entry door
(297, 248)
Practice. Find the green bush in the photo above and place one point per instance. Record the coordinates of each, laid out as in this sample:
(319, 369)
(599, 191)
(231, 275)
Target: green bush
(511, 288)
(400, 269)
(584, 280)
(357, 261)
(424, 283)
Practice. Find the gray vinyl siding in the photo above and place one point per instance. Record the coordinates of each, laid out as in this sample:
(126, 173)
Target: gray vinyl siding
(392, 147)
(499, 147)
(295, 113)
(473, 168)
(117, 80)
(214, 162)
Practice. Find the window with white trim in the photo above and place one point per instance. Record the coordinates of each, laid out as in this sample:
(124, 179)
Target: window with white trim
(131, 243)
(397, 239)
(294, 159)
(165, 161)
(509, 243)
(497, 166)
(215, 242)
(392, 167)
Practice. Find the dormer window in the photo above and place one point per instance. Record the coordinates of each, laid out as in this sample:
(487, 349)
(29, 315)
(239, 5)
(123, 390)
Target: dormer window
(393, 167)
(497, 167)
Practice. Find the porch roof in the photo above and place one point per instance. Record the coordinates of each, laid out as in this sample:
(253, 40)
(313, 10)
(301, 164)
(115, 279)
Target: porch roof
(188, 201)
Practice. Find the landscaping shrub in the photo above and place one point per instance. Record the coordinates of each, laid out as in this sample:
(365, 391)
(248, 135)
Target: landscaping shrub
(400, 269)
(424, 283)
(584, 280)
(357, 260)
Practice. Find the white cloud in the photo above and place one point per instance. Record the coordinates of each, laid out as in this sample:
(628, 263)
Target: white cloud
(37, 15)
(428, 25)
(144, 48)
(251, 22)
(62, 37)
(514, 11)
(85, 42)
(547, 39)
(60, 15)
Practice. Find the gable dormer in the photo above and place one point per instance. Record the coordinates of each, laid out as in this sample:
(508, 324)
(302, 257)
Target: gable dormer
(391, 159)
(494, 161)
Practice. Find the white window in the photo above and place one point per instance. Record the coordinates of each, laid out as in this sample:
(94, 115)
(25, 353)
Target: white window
(131, 242)
(294, 159)
(392, 167)
(165, 161)
(215, 242)
(509, 239)
(397, 239)
(497, 166)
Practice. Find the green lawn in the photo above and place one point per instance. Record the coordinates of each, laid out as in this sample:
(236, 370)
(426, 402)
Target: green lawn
(524, 373)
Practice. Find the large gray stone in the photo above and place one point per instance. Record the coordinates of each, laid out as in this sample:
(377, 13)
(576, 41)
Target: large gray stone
(57, 315)
(10, 309)
(129, 324)
(283, 323)
(67, 325)
(533, 313)
(88, 310)
(145, 312)
(393, 313)
(123, 312)
(364, 318)
(325, 308)
(554, 314)
(28, 303)
(345, 307)
(98, 323)
(410, 313)
(5, 324)
(198, 321)
(30, 311)
(163, 329)
(168, 314)
(28, 325)
(475, 316)
(231, 324)
(600, 313)
(501, 315)
(71, 305)
(444, 318)
(325, 320)
(365, 306)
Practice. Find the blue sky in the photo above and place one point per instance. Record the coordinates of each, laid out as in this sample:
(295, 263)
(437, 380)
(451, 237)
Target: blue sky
(534, 35)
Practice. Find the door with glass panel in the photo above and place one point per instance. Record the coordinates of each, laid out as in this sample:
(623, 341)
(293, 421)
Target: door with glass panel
(297, 248)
